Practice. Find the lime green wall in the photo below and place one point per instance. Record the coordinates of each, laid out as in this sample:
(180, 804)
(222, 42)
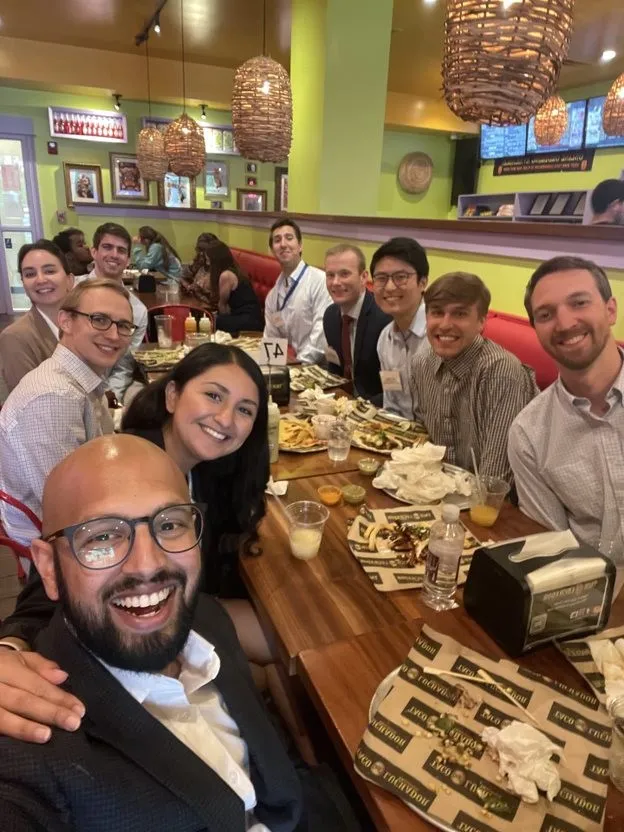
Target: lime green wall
(608, 164)
(435, 202)
(33, 104)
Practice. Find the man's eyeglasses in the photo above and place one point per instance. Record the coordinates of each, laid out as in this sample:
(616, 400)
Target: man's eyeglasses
(398, 278)
(107, 541)
(102, 322)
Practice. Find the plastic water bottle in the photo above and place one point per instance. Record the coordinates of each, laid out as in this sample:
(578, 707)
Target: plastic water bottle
(446, 546)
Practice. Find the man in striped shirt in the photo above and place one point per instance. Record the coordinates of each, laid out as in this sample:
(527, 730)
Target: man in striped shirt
(469, 389)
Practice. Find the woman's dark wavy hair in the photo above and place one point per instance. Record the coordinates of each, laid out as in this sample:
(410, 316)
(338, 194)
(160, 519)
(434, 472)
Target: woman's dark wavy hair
(250, 471)
(42, 245)
(221, 260)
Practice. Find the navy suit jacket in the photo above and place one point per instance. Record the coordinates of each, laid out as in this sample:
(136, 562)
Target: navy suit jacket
(365, 359)
(124, 771)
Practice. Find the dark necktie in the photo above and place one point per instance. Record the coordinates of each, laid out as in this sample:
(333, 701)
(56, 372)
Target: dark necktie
(345, 343)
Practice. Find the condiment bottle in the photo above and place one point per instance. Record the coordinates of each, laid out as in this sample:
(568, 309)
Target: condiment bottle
(273, 430)
(205, 325)
(446, 546)
(190, 324)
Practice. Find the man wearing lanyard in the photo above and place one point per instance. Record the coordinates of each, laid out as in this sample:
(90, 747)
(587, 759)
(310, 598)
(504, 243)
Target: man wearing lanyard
(400, 270)
(295, 305)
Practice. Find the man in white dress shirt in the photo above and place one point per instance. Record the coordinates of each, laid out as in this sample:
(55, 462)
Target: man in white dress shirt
(175, 735)
(111, 250)
(400, 271)
(295, 305)
(566, 447)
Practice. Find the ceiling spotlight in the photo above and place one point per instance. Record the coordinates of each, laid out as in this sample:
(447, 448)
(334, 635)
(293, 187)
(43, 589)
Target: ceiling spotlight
(607, 55)
(117, 98)
(157, 24)
(203, 115)
(430, 2)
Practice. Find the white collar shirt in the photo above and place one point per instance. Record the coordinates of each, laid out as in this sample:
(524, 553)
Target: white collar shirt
(192, 708)
(53, 327)
(396, 350)
(299, 316)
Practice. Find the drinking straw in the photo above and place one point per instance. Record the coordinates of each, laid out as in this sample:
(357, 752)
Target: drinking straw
(480, 491)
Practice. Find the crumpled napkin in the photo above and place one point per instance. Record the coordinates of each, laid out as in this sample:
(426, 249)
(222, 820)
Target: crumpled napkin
(417, 476)
(609, 659)
(315, 393)
(524, 757)
(277, 489)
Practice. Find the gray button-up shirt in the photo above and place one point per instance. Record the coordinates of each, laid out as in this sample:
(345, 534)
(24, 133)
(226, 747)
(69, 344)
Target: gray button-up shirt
(569, 465)
(396, 350)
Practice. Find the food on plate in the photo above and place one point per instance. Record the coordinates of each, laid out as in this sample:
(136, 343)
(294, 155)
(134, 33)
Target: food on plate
(158, 358)
(309, 377)
(330, 495)
(417, 476)
(296, 433)
(376, 436)
(409, 540)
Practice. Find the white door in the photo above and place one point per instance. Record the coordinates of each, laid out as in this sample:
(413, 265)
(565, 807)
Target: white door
(20, 220)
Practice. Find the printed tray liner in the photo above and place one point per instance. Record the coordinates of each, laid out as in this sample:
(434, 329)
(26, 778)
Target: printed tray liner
(385, 569)
(396, 754)
(408, 432)
(577, 652)
(312, 375)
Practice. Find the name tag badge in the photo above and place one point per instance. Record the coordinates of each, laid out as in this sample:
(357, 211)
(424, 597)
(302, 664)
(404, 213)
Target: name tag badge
(332, 356)
(391, 381)
(278, 320)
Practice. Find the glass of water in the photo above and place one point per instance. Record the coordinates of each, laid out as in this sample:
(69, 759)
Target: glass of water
(339, 440)
(164, 331)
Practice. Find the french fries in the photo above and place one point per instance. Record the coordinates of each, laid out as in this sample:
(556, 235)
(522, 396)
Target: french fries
(296, 433)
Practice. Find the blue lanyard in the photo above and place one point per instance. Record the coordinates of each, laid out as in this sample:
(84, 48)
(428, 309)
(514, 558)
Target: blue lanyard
(293, 286)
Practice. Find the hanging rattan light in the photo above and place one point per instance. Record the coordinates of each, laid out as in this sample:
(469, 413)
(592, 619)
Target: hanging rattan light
(502, 58)
(184, 139)
(150, 147)
(613, 112)
(551, 121)
(262, 108)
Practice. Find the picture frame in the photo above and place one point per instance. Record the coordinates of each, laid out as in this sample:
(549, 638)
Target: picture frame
(251, 199)
(126, 179)
(217, 178)
(106, 126)
(251, 167)
(251, 181)
(281, 189)
(219, 139)
(177, 192)
(83, 184)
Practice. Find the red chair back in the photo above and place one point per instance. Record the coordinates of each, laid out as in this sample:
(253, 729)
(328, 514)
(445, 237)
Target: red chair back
(18, 549)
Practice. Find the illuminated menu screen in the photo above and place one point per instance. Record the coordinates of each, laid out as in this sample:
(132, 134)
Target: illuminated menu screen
(503, 142)
(573, 136)
(595, 136)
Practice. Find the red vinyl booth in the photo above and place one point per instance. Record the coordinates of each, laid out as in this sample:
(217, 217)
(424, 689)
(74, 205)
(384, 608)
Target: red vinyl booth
(261, 269)
(518, 336)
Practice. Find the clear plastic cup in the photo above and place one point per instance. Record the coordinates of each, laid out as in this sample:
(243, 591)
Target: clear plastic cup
(339, 440)
(485, 506)
(306, 521)
(164, 331)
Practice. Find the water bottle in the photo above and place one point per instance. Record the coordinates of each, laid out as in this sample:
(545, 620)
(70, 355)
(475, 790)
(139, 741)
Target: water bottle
(273, 430)
(446, 546)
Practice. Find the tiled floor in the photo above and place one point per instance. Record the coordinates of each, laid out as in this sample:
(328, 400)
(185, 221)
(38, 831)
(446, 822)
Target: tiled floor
(9, 585)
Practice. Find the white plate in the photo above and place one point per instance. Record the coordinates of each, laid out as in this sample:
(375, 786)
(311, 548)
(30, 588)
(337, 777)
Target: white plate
(456, 499)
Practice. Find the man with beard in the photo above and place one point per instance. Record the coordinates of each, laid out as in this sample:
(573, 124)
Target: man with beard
(175, 735)
(566, 447)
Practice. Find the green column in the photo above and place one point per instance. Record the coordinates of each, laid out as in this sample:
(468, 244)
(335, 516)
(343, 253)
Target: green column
(339, 73)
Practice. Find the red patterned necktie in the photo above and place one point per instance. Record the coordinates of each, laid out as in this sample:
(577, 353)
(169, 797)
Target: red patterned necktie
(345, 342)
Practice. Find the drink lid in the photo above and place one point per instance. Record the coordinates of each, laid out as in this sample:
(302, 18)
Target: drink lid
(450, 513)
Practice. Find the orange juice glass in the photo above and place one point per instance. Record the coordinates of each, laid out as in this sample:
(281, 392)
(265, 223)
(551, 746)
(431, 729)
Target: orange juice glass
(485, 507)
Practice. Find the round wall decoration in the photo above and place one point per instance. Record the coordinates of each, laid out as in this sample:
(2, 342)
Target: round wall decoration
(415, 172)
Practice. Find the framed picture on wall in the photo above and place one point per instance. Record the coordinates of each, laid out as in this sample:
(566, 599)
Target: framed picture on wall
(281, 189)
(83, 184)
(250, 199)
(217, 178)
(126, 179)
(176, 192)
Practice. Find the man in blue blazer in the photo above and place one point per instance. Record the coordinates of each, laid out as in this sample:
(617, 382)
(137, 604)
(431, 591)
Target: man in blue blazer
(175, 735)
(353, 322)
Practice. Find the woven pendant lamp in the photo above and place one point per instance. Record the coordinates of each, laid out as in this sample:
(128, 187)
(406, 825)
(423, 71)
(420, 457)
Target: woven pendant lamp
(184, 140)
(551, 121)
(150, 146)
(262, 108)
(613, 112)
(502, 58)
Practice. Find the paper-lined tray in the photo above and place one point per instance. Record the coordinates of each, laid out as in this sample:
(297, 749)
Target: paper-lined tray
(389, 568)
(381, 431)
(311, 375)
(403, 748)
(577, 652)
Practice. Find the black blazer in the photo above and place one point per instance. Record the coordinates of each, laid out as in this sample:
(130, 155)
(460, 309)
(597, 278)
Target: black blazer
(124, 771)
(365, 360)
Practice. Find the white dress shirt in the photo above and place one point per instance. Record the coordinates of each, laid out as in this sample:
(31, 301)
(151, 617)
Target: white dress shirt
(120, 377)
(53, 327)
(396, 350)
(192, 708)
(55, 408)
(299, 316)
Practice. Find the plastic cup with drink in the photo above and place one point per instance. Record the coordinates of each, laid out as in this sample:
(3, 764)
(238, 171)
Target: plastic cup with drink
(306, 521)
(164, 331)
(487, 500)
(339, 440)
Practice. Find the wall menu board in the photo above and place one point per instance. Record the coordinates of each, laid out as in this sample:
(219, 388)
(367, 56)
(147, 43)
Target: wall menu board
(573, 136)
(503, 142)
(595, 136)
